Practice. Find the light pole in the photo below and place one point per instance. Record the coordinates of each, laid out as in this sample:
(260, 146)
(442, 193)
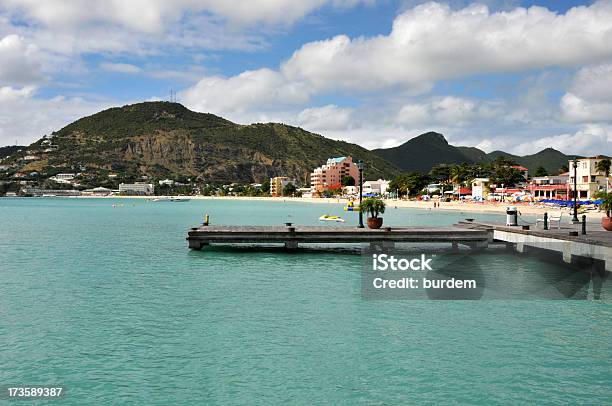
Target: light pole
(575, 217)
(360, 166)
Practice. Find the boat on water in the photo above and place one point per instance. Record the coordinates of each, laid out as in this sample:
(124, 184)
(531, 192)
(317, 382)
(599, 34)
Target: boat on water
(327, 217)
(350, 206)
(171, 199)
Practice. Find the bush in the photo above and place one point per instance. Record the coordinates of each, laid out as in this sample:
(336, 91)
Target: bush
(372, 205)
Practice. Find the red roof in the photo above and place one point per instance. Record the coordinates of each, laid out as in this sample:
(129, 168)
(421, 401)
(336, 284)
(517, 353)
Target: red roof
(520, 168)
(465, 191)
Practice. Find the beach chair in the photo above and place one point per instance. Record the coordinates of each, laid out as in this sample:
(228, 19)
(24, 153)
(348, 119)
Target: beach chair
(552, 218)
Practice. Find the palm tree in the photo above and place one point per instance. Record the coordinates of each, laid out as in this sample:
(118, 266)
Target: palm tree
(604, 166)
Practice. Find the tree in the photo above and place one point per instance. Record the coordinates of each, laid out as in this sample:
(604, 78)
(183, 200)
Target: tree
(289, 189)
(541, 171)
(564, 169)
(372, 205)
(503, 161)
(265, 186)
(348, 181)
(604, 166)
(507, 176)
(441, 172)
(409, 183)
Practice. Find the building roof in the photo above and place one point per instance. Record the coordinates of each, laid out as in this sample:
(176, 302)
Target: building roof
(336, 160)
(520, 168)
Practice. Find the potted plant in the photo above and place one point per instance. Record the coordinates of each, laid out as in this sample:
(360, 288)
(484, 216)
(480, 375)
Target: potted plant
(374, 207)
(606, 206)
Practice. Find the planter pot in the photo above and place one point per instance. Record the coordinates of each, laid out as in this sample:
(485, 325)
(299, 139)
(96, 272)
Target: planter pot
(606, 222)
(375, 222)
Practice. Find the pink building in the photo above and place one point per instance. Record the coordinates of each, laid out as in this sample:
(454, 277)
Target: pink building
(329, 176)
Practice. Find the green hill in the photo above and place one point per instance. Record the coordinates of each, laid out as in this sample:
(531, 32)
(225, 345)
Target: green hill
(423, 152)
(162, 139)
(473, 154)
(427, 150)
(9, 150)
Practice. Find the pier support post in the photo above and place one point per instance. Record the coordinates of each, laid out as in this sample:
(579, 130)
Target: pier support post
(196, 245)
(478, 245)
(567, 256)
(520, 247)
(291, 245)
(388, 245)
(381, 245)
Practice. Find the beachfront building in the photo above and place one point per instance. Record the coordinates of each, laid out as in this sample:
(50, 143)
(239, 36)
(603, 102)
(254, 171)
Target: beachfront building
(98, 191)
(137, 188)
(549, 187)
(278, 183)
(588, 179)
(166, 182)
(376, 187)
(329, 176)
(65, 178)
(480, 188)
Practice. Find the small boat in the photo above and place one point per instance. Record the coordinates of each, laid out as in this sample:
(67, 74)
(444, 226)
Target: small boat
(350, 206)
(327, 217)
(171, 199)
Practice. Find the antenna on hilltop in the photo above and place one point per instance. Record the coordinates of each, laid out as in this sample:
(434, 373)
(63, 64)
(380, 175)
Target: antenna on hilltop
(172, 96)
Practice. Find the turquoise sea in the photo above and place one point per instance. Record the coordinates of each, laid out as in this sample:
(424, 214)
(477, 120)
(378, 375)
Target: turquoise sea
(109, 303)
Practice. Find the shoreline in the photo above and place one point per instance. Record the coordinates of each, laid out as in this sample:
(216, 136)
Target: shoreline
(454, 206)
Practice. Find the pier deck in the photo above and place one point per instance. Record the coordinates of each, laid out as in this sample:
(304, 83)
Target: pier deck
(596, 244)
(292, 236)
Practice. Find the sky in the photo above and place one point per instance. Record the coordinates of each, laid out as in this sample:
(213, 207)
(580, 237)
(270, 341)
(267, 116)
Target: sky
(519, 76)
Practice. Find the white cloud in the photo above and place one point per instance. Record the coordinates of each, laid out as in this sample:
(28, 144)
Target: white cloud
(260, 90)
(589, 140)
(146, 26)
(8, 93)
(19, 62)
(152, 15)
(448, 110)
(426, 44)
(590, 96)
(25, 118)
(433, 42)
(120, 67)
(326, 118)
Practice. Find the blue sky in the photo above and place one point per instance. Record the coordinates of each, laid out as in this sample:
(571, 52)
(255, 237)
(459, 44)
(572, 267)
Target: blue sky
(499, 74)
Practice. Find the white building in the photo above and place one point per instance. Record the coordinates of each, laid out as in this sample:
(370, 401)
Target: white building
(63, 178)
(168, 182)
(588, 180)
(480, 188)
(136, 188)
(378, 187)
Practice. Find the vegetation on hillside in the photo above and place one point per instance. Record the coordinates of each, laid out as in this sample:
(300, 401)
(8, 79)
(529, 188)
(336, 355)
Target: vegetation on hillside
(157, 140)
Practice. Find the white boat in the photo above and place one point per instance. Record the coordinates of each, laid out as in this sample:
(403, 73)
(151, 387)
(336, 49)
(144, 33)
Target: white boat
(327, 217)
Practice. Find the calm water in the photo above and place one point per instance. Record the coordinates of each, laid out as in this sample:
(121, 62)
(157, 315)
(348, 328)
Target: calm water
(111, 304)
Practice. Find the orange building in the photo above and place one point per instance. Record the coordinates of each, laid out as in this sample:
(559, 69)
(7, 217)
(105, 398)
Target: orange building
(329, 176)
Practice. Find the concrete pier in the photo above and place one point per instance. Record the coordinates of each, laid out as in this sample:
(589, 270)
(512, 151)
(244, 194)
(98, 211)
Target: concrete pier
(595, 245)
(291, 237)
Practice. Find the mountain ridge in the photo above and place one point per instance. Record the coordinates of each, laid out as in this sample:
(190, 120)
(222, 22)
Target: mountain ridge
(424, 151)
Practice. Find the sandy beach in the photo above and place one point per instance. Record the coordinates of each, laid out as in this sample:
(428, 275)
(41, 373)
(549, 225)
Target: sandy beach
(468, 207)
